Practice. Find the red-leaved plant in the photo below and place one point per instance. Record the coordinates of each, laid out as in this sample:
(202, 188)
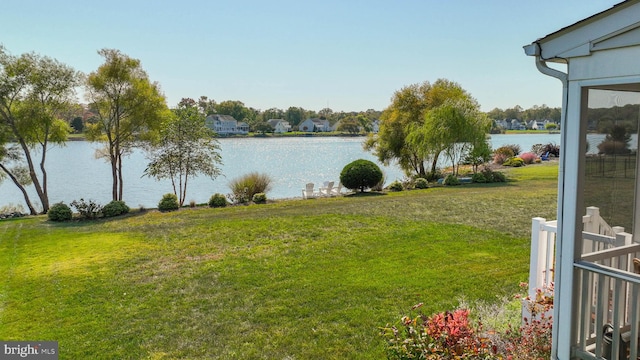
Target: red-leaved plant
(448, 335)
(452, 335)
(533, 339)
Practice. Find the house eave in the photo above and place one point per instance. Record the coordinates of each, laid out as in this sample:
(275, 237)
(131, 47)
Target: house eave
(617, 26)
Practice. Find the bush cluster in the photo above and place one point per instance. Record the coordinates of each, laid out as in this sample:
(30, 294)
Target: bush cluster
(169, 202)
(244, 187)
(60, 212)
(217, 200)
(453, 335)
(542, 149)
(395, 186)
(451, 180)
(514, 162)
(115, 208)
(612, 147)
(493, 176)
(259, 198)
(421, 183)
(528, 157)
(478, 178)
(87, 209)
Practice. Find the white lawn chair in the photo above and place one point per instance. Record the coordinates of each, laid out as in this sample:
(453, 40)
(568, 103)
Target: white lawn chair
(327, 190)
(337, 190)
(308, 193)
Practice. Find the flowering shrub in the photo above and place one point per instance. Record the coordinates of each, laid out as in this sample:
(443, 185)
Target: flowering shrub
(451, 335)
(528, 157)
(499, 159)
(448, 335)
(514, 161)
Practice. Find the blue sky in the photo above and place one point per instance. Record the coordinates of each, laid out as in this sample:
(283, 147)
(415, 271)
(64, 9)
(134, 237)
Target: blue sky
(349, 55)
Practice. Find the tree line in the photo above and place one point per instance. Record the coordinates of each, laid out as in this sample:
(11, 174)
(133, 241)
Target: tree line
(81, 115)
(38, 107)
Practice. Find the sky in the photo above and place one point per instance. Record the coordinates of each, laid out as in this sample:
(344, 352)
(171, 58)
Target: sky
(347, 55)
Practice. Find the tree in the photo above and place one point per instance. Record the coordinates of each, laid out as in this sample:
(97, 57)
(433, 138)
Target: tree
(234, 108)
(77, 124)
(187, 148)
(350, 125)
(129, 107)
(207, 106)
(453, 128)
(407, 112)
(326, 113)
(295, 115)
(34, 92)
(273, 113)
(360, 175)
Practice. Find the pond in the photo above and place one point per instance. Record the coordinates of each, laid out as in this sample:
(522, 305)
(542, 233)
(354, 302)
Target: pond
(75, 173)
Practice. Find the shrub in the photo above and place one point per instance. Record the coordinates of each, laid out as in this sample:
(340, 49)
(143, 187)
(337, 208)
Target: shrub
(169, 202)
(380, 185)
(451, 180)
(537, 149)
(217, 200)
(448, 335)
(434, 175)
(453, 335)
(528, 157)
(421, 183)
(260, 198)
(493, 176)
(115, 208)
(87, 210)
(395, 186)
(515, 148)
(499, 159)
(532, 340)
(11, 209)
(478, 178)
(360, 175)
(550, 148)
(612, 147)
(244, 187)
(514, 161)
(59, 212)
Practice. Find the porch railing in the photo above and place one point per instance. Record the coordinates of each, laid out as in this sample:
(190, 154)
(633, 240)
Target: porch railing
(608, 305)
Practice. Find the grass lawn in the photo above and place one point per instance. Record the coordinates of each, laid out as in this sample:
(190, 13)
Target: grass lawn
(311, 279)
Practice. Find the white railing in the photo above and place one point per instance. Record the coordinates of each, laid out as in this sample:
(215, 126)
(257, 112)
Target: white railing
(597, 235)
(609, 303)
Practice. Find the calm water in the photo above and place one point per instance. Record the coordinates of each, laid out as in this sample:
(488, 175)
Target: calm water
(74, 173)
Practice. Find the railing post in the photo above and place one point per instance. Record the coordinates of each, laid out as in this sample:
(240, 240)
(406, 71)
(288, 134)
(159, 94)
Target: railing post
(592, 225)
(537, 262)
(622, 238)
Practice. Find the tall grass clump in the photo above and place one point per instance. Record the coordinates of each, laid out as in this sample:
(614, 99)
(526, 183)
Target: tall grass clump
(243, 188)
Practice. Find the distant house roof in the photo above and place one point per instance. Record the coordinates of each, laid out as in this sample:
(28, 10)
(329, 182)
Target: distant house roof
(274, 122)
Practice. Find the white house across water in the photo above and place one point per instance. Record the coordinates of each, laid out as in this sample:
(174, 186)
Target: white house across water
(597, 287)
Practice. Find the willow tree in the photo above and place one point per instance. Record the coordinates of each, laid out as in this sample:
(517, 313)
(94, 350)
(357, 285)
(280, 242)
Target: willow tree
(34, 91)
(453, 129)
(187, 148)
(130, 109)
(407, 113)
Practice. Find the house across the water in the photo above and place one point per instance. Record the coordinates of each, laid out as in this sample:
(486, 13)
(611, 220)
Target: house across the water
(225, 125)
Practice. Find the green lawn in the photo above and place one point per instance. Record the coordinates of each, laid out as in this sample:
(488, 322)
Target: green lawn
(296, 279)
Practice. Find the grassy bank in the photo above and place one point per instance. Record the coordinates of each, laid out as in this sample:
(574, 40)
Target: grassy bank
(296, 279)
